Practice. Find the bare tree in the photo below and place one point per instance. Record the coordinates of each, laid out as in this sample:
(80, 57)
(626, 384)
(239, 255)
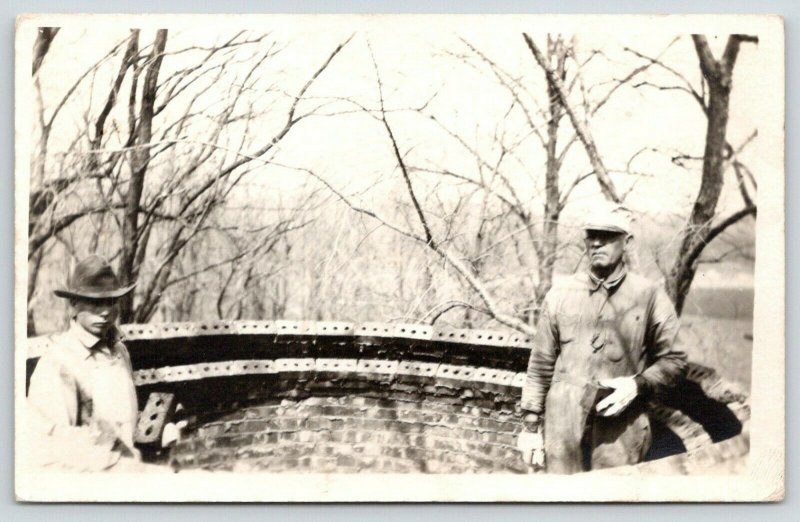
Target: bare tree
(139, 161)
(465, 250)
(159, 188)
(701, 227)
(155, 175)
(544, 116)
(557, 88)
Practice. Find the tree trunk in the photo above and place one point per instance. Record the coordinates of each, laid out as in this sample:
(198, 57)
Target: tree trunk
(140, 158)
(41, 46)
(552, 207)
(718, 75)
(33, 275)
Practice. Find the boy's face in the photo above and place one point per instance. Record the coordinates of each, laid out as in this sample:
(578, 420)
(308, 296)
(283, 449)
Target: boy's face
(95, 315)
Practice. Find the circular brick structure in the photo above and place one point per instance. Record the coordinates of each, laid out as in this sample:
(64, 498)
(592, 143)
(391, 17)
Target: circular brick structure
(330, 397)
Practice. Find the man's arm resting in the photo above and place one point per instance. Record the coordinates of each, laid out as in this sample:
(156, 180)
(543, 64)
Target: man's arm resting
(668, 362)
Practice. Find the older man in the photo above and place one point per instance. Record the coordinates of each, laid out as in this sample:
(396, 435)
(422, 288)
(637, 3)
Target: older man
(604, 345)
(82, 401)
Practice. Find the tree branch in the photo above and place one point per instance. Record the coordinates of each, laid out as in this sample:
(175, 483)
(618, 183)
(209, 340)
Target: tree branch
(712, 232)
(400, 162)
(603, 178)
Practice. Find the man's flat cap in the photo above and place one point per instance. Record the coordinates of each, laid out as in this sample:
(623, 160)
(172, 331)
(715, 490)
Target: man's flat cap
(609, 217)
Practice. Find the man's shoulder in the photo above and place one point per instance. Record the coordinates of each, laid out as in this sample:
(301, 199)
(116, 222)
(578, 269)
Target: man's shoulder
(579, 282)
(639, 282)
(566, 289)
(570, 283)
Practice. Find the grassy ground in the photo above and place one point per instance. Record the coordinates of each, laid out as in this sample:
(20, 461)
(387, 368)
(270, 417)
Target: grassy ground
(718, 330)
(720, 302)
(723, 344)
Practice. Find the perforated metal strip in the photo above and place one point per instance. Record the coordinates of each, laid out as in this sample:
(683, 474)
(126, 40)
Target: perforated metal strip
(310, 330)
(190, 372)
(324, 329)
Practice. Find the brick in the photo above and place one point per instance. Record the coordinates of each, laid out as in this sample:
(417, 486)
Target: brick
(365, 436)
(337, 424)
(304, 436)
(312, 423)
(316, 401)
(289, 423)
(363, 401)
(384, 413)
(345, 460)
(336, 411)
(286, 436)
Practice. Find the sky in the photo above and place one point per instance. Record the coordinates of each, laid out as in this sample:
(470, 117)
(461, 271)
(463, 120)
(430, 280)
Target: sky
(422, 62)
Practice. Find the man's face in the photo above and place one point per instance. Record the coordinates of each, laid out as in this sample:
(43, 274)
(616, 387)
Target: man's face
(95, 315)
(605, 248)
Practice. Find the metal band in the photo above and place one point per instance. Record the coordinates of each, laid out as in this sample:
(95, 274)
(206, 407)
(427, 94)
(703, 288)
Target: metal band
(192, 372)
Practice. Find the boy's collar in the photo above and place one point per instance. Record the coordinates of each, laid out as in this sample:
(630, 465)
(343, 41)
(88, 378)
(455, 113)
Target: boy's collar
(86, 338)
(89, 340)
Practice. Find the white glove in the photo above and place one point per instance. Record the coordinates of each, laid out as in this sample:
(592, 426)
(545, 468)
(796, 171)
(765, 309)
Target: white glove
(531, 445)
(172, 433)
(625, 390)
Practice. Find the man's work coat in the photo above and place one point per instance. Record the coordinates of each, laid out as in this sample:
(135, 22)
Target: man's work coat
(591, 330)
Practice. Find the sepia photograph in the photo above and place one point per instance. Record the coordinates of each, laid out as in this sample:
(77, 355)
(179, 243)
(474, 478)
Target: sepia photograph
(399, 258)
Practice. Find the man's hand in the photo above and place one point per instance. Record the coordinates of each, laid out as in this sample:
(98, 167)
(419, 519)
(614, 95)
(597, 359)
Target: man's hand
(530, 441)
(108, 432)
(529, 444)
(105, 433)
(172, 433)
(625, 390)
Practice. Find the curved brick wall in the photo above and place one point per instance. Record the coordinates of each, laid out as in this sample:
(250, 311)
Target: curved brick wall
(339, 397)
(354, 433)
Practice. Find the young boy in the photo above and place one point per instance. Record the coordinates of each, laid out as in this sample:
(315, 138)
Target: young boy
(82, 400)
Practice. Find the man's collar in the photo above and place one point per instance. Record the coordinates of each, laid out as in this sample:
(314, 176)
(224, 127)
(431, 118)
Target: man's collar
(614, 279)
